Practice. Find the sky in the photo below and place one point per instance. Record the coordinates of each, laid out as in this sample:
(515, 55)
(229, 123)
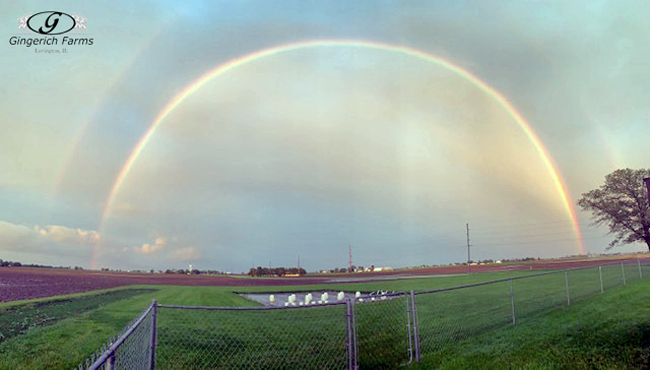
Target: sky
(234, 134)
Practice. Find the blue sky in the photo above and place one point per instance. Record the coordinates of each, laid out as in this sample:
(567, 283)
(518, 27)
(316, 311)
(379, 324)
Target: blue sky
(308, 151)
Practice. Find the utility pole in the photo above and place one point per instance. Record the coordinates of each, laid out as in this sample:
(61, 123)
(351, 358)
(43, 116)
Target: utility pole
(647, 185)
(350, 262)
(469, 267)
(298, 262)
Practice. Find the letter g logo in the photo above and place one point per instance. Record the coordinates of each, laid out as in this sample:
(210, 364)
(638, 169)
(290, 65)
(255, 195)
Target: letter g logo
(51, 23)
(51, 26)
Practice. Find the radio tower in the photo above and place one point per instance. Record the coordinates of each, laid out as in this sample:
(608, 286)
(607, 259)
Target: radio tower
(350, 267)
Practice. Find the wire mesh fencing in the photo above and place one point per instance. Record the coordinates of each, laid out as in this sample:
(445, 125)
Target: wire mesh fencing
(383, 331)
(133, 348)
(538, 295)
(307, 337)
(611, 276)
(367, 332)
(447, 316)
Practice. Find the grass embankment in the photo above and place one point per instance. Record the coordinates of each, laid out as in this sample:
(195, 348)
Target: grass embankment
(16, 320)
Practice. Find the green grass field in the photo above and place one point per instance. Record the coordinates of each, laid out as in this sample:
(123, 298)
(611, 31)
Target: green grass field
(607, 331)
(459, 329)
(66, 343)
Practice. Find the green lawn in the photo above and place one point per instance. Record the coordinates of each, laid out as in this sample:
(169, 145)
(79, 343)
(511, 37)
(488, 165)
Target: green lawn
(458, 328)
(67, 342)
(607, 331)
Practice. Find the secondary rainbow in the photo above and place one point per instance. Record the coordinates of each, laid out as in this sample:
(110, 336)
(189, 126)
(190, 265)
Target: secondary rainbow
(234, 63)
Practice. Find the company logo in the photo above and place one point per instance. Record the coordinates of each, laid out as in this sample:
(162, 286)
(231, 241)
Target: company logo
(48, 25)
(51, 23)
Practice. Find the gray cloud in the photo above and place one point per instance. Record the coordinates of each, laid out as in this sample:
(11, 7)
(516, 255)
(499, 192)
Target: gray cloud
(297, 159)
(314, 150)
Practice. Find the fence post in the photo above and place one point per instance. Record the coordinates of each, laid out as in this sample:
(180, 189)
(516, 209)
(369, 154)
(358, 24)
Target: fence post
(152, 343)
(416, 332)
(408, 328)
(355, 346)
(600, 272)
(640, 274)
(623, 272)
(110, 364)
(348, 332)
(566, 279)
(512, 302)
(348, 337)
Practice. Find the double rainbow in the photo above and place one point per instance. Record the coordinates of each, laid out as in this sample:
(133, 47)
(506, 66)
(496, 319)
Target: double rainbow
(249, 58)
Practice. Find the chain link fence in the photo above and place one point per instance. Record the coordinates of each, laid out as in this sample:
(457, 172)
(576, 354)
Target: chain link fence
(133, 348)
(447, 316)
(383, 330)
(368, 332)
(312, 337)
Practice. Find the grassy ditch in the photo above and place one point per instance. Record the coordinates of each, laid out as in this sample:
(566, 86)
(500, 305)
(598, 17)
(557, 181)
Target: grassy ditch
(19, 319)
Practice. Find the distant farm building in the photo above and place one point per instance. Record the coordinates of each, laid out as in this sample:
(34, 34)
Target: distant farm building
(379, 269)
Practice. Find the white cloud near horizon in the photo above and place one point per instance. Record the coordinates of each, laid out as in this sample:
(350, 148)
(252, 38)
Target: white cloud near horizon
(157, 245)
(49, 239)
(64, 234)
(176, 254)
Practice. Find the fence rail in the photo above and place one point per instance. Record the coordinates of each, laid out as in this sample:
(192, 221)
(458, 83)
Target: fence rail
(381, 331)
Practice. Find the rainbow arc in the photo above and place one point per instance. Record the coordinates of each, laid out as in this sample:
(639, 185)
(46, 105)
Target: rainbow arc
(233, 64)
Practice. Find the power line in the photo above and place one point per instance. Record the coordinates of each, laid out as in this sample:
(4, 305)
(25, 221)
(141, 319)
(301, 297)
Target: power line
(537, 242)
(509, 231)
(510, 225)
(526, 236)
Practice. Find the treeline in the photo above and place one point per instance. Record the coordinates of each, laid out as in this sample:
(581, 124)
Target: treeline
(18, 264)
(351, 269)
(276, 271)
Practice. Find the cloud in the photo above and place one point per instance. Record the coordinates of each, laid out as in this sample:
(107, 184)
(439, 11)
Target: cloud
(185, 254)
(158, 244)
(51, 239)
(12, 234)
(64, 234)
